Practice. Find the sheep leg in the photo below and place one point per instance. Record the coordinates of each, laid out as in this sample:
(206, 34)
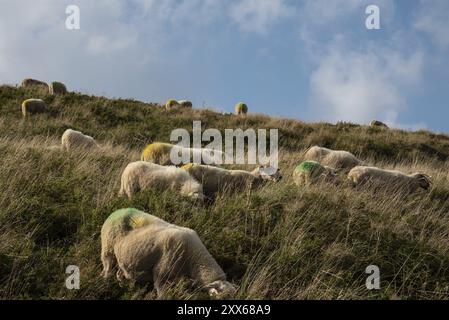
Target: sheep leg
(108, 264)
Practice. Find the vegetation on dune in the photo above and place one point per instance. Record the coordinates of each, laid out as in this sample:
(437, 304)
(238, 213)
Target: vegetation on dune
(277, 242)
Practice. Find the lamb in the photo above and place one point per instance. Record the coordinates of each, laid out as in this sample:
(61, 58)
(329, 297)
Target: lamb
(376, 123)
(309, 172)
(171, 104)
(391, 179)
(141, 175)
(215, 179)
(159, 153)
(147, 249)
(338, 159)
(241, 108)
(57, 88)
(185, 104)
(33, 106)
(27, 83)
(74, 139)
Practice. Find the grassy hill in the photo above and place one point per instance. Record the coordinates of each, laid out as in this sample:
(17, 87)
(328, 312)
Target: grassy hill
(278, 242)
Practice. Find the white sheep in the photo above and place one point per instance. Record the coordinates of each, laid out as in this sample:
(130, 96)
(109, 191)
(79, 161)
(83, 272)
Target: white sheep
(393, 179)
(74, 139)
(141, 175)
(309, 172)
(338, 159)
(185, 104)
(215, 179)
(147, 249)
(377, 123)
(28, 82)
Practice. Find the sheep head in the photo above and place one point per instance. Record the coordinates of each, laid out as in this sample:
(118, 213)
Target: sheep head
(220, 289)
(268, 173)
(423, 179)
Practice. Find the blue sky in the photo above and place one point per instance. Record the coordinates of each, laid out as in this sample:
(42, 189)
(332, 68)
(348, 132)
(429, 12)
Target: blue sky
(313, 60)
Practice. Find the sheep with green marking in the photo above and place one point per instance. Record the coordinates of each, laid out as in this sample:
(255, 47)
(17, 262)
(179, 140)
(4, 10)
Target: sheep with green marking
(33, 106)
(241, 108)
(146, 249)
(57, 88)
(309, 172)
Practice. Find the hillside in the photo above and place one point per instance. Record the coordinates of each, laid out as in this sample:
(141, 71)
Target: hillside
(278, 242)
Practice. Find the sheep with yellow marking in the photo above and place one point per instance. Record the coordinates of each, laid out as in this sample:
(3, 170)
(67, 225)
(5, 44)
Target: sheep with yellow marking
(146, 249)
(33, 106)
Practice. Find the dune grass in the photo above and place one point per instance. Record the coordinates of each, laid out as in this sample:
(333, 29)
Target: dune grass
(277, 242)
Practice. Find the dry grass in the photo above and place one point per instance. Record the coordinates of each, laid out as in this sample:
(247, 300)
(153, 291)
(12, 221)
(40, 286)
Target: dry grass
(278, 242)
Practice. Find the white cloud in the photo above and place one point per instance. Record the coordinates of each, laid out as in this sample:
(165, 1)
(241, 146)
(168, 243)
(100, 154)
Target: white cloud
(258, 15)
(361, 85)
(432, 19)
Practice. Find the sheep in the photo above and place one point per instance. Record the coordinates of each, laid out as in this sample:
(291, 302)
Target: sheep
(392, 179)
(171, 104)
(141, 175)
(57, 88)
(376, 123)
(159, 153)
(33, 106)
(147, 249)
(27, 83)
(241, 108)
(338, 159)
(185, 104)
(309, 172)
(74, 139)
(215, 179)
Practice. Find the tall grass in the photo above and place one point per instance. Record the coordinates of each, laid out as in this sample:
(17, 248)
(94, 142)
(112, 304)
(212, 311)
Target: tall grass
(277, 242)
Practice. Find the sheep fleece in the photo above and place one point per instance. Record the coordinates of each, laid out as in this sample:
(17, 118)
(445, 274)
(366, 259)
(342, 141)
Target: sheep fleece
(142, 175)
(75, 139)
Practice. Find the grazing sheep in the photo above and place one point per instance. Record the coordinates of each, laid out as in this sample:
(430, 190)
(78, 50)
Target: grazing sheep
(27, 83)
(394, 180)
(171, 104)
(215, 179)
(311, 171)
(159, 153)
(142, 175)
(241, 108)
(57, 88)
(337, 159)
(75, 139)
(376, 123)
(32, 106)
(185, 104)
(147, 249)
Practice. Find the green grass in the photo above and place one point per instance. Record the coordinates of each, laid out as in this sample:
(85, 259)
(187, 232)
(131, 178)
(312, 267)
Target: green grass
(278, 242)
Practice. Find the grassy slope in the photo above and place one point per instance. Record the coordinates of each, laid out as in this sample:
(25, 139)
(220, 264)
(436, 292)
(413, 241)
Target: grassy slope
(278, 242)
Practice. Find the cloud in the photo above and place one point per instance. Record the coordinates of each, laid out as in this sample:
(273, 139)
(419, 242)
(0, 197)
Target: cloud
(361, 85)
(432, 19)
(258, 15)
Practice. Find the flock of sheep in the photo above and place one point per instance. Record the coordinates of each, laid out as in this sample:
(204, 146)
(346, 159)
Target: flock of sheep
(145, 249)
(323, 164)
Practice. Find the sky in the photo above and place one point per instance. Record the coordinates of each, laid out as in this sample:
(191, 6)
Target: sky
(312, 60)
